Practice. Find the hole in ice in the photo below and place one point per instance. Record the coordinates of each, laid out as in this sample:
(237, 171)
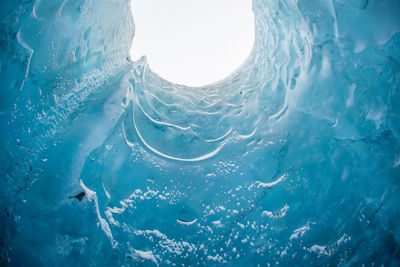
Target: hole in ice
(193, 42)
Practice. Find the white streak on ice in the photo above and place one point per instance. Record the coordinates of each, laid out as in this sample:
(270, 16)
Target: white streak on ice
(275, 215)
(105, 191)
(271, 184)
(299, 232)
(186, 223)
(92, 196)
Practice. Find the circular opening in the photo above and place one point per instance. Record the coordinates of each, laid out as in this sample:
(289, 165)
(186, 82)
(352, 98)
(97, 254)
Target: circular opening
(193, 42)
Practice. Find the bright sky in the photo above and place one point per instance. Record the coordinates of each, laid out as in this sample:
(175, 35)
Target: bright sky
(193, 42)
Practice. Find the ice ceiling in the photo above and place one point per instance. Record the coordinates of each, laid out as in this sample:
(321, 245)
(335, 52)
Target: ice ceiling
(292, 159)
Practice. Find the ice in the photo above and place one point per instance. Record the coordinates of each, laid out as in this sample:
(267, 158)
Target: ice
(293, 158)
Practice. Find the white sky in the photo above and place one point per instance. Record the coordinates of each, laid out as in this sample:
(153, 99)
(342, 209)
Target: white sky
(193, 42)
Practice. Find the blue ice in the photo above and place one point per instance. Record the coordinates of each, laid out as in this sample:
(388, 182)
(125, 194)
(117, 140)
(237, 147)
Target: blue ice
(293, 159)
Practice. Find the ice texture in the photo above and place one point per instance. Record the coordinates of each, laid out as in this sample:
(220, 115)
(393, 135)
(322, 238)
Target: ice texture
(294, 159)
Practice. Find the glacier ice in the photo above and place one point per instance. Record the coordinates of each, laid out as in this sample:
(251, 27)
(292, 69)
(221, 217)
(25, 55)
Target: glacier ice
(294, 159)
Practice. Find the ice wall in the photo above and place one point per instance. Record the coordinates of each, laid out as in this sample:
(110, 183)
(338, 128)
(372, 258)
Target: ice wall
(293, 159)
(55, 57)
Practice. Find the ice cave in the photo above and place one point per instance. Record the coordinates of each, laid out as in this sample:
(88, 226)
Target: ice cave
(290, 157)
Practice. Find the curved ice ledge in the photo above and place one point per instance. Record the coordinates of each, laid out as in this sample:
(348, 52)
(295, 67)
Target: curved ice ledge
(184, 123)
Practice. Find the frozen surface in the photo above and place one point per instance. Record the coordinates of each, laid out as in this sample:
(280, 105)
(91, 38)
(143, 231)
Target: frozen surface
(293, 159)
